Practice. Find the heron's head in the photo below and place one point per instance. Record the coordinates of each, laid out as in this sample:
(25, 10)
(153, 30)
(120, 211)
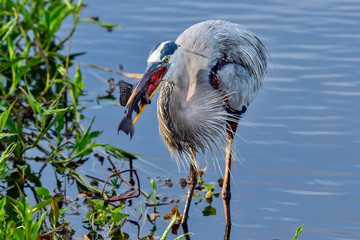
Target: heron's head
(162, 62)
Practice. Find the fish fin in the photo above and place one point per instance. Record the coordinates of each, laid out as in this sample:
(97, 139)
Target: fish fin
(137, 109)
(125, 92)
(126, 125)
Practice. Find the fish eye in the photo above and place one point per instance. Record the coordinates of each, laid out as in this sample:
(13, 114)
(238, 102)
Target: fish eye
(166, 59)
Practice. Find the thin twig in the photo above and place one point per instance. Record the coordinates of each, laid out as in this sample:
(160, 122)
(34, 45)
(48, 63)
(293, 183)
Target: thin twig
(124, 74)
(121, 177)
(124, 180)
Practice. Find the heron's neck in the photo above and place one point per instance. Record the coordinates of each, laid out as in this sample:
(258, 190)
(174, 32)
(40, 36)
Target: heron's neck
(180, 90)
(185, 122)
(172, 105)
(174, 94)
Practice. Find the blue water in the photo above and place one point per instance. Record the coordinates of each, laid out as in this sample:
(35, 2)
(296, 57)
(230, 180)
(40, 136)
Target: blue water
(299, 147)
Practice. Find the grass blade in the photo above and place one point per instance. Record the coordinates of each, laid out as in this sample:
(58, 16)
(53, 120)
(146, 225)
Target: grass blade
(4, 116)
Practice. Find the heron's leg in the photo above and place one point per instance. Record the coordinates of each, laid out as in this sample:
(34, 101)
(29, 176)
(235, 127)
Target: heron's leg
(191, 188)
(226, 192)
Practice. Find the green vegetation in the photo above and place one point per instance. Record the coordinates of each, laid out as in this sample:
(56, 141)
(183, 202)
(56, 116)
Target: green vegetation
(297, 233)
(102, 214)
(153, 194)
(39, 113)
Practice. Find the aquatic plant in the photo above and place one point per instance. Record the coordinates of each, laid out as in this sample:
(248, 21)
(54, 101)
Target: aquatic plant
(39, 111)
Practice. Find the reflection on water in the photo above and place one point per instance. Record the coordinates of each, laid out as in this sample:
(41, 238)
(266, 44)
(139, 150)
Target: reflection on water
(299, 146)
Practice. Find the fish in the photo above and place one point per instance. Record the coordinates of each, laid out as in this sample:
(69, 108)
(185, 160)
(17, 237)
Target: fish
(126, 124)
(143, 92)
(125, 92)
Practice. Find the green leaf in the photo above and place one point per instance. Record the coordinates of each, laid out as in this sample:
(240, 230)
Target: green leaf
(56, 12)
(118, 152)
(141, 212)
(7, 64)
(29, 65)
(55, 103)
(10, 229)
(48, 112)
(117, 217)
(81, 144)
(62, 210)
(58, 118)
(79, 83)
(46, 17)
(59, 128)
(3, 166)
(54, 213)
(4, 116)
(298, 231)
(2, 209)
(85, 151)
(15, 68)
(43, 193)
(7, 28)
(97, 203)
(40, 205)
(35, 105)
(116, 210)
(11, 125)
(16, 204)
(88, 216)
(2, 135)
(209, 186)
(16, 128)
(36, 227)
(61, 69)
(19, 233)
(153, 184)
(57, 16)
(68, 4)
(149, 197)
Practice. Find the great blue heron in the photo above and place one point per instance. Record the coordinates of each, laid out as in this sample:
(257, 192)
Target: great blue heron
(208, 78)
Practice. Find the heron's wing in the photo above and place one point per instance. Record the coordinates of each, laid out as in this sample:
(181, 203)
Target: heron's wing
(241, 55)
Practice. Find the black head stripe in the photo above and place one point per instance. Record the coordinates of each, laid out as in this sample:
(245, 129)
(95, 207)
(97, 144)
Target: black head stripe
(168, 49)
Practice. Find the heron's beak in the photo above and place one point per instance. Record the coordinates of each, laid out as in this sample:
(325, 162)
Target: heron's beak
(148, 85)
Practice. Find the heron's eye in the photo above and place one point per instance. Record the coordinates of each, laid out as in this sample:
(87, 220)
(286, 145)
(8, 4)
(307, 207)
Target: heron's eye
(166, 59)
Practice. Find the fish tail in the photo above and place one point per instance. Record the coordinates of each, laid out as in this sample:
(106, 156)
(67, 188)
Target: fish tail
(126, 125)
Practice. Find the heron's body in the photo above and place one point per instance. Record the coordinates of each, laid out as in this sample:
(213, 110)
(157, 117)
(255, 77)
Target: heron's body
(208, 78)
(223, 69)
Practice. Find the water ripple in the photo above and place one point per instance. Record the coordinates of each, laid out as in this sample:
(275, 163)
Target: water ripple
(308, 192)
(319, 133)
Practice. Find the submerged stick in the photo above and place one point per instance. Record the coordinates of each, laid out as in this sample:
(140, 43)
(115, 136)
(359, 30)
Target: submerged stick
(136, 76)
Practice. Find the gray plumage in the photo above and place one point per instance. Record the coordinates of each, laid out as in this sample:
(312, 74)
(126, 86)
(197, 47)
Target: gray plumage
(191, 110)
